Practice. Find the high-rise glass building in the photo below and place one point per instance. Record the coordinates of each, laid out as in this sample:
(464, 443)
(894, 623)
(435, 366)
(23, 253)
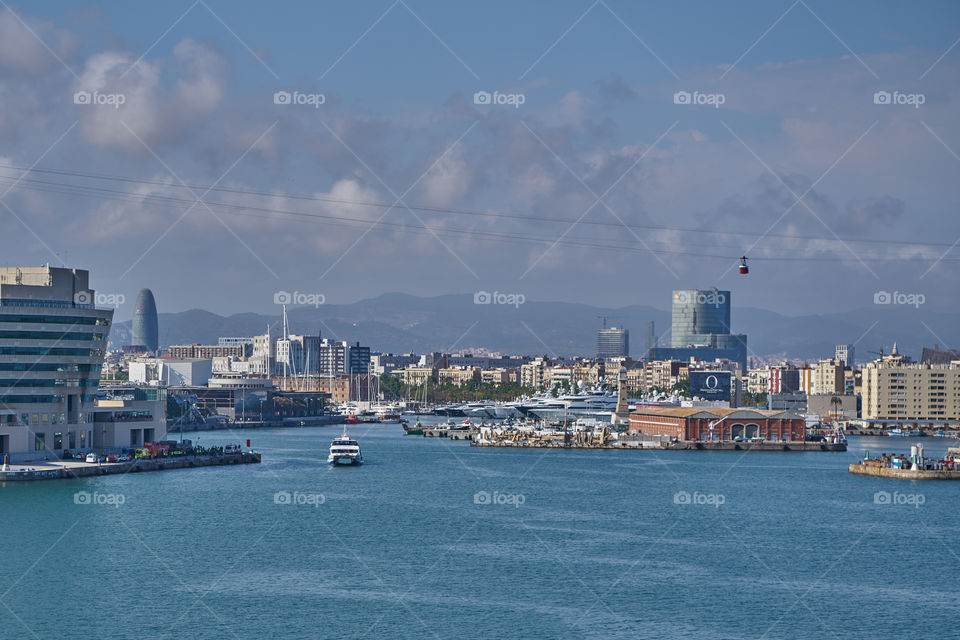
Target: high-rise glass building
(52, 344)
(613, 342)
(146, 332)
(698, 316)
(700, 328)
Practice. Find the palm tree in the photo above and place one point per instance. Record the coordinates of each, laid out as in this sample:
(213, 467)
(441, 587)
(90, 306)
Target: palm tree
(836, 403)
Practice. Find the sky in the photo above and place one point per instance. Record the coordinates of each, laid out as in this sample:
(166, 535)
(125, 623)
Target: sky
(606, 152)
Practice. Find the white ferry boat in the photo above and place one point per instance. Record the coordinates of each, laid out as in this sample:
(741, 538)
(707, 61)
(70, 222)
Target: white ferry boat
(345, 450)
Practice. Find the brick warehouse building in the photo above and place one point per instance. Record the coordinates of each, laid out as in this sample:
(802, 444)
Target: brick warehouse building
(728, 424)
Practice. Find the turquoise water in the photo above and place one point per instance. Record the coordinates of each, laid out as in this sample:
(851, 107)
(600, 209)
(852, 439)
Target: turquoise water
(572, 544)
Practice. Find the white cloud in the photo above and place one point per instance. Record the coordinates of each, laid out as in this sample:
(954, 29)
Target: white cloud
(106, 125)
(202, 87)
(24, 42)
(147, 108)
(448, 180)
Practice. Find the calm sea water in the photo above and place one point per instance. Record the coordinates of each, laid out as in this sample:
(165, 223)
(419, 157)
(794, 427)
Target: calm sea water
(435, 539)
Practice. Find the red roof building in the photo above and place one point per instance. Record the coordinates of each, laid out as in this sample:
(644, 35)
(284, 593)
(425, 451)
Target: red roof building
(682, 423)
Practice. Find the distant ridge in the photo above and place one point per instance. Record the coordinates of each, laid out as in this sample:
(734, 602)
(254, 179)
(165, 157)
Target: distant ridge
(397, 322)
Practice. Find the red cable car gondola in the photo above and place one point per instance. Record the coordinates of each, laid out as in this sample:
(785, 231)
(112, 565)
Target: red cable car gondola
(744, 269)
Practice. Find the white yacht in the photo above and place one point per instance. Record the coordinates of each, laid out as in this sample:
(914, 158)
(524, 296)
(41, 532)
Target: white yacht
(593, 404)
(345, 450)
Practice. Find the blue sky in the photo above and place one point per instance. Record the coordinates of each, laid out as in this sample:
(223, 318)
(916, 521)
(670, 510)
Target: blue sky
(797, 167)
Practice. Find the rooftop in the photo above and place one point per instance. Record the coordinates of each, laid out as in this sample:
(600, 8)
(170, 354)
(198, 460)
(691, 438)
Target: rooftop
(687, 412)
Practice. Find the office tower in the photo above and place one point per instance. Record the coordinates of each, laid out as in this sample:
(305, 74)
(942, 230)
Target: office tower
(145, 324)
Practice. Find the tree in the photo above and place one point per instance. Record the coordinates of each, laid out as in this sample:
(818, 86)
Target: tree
(755, 399)
(836, 403)
(682, 387)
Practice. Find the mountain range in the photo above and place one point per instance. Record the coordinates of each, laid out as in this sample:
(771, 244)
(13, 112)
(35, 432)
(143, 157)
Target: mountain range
(401, 323)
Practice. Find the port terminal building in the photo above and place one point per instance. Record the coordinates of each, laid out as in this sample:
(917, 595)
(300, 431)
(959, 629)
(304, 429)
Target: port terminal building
(52, 344)
(699, 424)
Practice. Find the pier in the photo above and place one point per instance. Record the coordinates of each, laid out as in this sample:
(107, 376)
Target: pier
(914, 467)
(903, 474)
(68, 469)
(764, 445)
(789, 446)
(453, 434)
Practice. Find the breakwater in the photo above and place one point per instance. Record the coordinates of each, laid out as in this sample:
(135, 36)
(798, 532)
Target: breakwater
(903, 474)
(59, 471)
(669, 446)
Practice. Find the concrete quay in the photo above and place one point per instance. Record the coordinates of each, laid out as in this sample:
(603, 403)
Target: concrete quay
(58, 470)
(670, 446)
(765, 445)
(453, 434)
(902, 474)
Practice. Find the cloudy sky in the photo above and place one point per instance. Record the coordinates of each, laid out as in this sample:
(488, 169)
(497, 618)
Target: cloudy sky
(601, 152)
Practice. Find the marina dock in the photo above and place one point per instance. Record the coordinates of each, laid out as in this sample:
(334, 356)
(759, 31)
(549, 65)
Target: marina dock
(67, 469)
(765, 445)
(903, 474)
(916, 466)
(636, 444)
(453, 434)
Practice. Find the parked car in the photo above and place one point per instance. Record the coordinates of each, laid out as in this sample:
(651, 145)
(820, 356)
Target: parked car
(112, 458)
(92, 458)
(123, 458)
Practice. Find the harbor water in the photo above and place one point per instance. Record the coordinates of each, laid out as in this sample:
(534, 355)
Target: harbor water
(435, 539)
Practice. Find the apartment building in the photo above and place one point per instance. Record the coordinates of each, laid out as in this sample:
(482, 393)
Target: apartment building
(910, 392)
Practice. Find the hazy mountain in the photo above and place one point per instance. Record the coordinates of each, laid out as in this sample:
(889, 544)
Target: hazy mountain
(401, 323)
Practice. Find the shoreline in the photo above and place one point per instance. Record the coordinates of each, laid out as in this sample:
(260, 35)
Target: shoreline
(902, 474)
(640, 445)
(61, 471)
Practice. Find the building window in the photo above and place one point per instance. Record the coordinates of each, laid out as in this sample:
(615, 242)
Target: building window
(73, 439)
(57, 440)
(39, 441)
